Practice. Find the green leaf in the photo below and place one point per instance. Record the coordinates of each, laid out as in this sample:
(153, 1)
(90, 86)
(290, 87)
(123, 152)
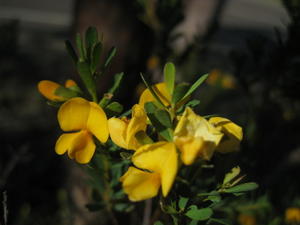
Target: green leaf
(158, 223)
(117, 81)
(95, 56)
(220, 221)
(214, 198)
(242, 188)
(80, 47)
(169, 77)
(153, 115)
(232, 174)
(143, 138)
(175, 219)
(152, 91)
(71, 51)
(110, 55)
(127, 113)
(182, 202)
(164, 118)
(199, 214)
(91, 38)
(86, 76)
(208, 193)
(195, 85)
(65, 92)
(193, 222)
(111, 92)
(55, 103)
(113, 109)
(191, 104)
(179, 92)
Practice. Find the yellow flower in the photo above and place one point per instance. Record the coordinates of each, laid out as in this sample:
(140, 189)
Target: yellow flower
(47, 88)
(161, 91)
(85, 119)
(195, 137)
(233, 134)
(292, 215)
(122, 131)
(218, 78)
(161, 160)
(245, 219)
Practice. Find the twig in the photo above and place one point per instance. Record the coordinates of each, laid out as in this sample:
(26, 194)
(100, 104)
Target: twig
(147, 212)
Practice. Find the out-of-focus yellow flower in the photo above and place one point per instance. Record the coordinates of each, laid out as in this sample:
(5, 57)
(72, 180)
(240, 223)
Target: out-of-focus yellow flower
(292, 215)
(85, 119)
(122, 131)
(219, 78)
(161, 160)
(233, 134)
(195, 137)
(47, 88)
(245, 219)
(152, 62)
(161, 91)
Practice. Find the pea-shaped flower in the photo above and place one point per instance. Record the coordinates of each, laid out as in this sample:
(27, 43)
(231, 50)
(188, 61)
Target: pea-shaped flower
(161, 91)
(195, 137)
(48, 88)
(84, 119)
(122, 131)
(159, 162)
(233, 134)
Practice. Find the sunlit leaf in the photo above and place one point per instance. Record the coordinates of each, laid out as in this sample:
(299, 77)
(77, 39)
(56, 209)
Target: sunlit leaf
(199, 214)
(232, 174)
(169, 77)
(242, 187)
(182, 202)
(195, 85)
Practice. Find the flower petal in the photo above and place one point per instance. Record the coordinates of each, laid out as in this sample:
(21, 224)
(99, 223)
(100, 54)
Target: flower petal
(73, 114)
(189, 148)
(137, 123)
(233, 134)
(47, 89)
(70, 83)
(160, 157)
(117, 130)
(140, 185)
(84, 148)
(161, 90)
(191, 127)
(65, 142)
(97, 122)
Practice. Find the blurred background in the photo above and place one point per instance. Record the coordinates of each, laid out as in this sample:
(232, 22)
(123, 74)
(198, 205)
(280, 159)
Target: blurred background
(250, 48)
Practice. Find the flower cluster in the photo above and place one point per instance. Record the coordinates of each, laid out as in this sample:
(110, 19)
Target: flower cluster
(155, 164)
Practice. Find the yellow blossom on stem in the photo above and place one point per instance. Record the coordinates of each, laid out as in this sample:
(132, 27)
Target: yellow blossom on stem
(84, 119)
(47, 88)
(292, 215)
(159, 164)
(160, 90)
(122, 131)
(195, 137)
(233, 134)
